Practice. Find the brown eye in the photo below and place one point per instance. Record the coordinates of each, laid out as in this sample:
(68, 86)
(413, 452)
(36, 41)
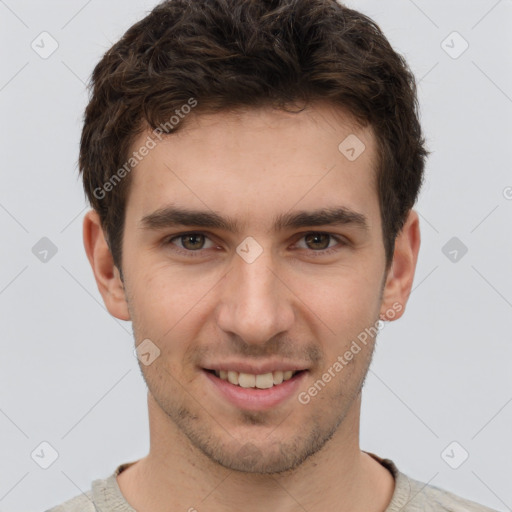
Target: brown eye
(193, 241)
(318, 241)
(318, 244)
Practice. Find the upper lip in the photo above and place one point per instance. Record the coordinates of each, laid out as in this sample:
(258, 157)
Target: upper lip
(255, 369)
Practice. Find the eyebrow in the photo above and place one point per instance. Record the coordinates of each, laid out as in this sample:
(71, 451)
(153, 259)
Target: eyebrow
(171, 216)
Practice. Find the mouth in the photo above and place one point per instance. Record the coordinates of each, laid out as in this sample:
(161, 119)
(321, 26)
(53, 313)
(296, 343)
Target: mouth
(254, 392)
(261, 381)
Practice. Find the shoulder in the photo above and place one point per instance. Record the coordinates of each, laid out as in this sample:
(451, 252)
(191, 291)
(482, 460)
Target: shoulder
(429, 498)
(411, 495)
(104, 495)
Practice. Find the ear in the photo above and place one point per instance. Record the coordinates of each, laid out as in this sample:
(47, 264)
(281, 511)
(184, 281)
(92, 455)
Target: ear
(105, 272)
(401, 272)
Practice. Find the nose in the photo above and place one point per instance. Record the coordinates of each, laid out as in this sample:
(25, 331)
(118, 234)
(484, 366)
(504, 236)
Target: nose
(255, 303)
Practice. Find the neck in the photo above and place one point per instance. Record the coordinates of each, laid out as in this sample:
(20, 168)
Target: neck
(175, 475)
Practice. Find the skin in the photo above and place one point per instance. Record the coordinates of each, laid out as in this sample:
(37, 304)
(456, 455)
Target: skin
(293, 303)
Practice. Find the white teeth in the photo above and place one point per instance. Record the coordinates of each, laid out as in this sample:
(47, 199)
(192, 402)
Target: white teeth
(248, 380)
(233, 377)
(278, 377)
(264, 381)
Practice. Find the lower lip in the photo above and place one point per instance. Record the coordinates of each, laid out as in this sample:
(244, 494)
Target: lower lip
(254, 399)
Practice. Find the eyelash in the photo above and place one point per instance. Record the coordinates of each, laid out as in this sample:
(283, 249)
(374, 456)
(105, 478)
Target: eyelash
(197, 253)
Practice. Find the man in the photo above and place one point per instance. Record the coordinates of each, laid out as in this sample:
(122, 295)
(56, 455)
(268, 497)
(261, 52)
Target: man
(252, 167)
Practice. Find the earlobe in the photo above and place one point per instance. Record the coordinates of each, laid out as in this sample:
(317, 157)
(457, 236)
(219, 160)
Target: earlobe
(105, 272)
(401, 273)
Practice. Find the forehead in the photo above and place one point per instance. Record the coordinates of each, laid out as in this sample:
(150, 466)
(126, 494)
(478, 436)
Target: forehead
(258, 162)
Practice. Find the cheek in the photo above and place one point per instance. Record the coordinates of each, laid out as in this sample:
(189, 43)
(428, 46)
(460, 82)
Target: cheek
(169, 305)
(161, 289)
(345, 301)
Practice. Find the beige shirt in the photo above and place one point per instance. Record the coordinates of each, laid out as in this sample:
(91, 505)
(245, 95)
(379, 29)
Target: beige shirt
(409, 496)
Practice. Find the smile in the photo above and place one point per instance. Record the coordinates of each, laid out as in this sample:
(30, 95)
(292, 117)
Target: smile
(256, 392)
(249, 380)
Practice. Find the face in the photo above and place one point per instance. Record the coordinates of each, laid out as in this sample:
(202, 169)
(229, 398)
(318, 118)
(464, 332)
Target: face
(253, 246)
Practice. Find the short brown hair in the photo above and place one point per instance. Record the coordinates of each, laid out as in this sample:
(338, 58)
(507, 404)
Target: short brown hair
(228, 54)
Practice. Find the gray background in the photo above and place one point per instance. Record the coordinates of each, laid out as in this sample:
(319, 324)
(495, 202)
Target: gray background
(440, 374)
